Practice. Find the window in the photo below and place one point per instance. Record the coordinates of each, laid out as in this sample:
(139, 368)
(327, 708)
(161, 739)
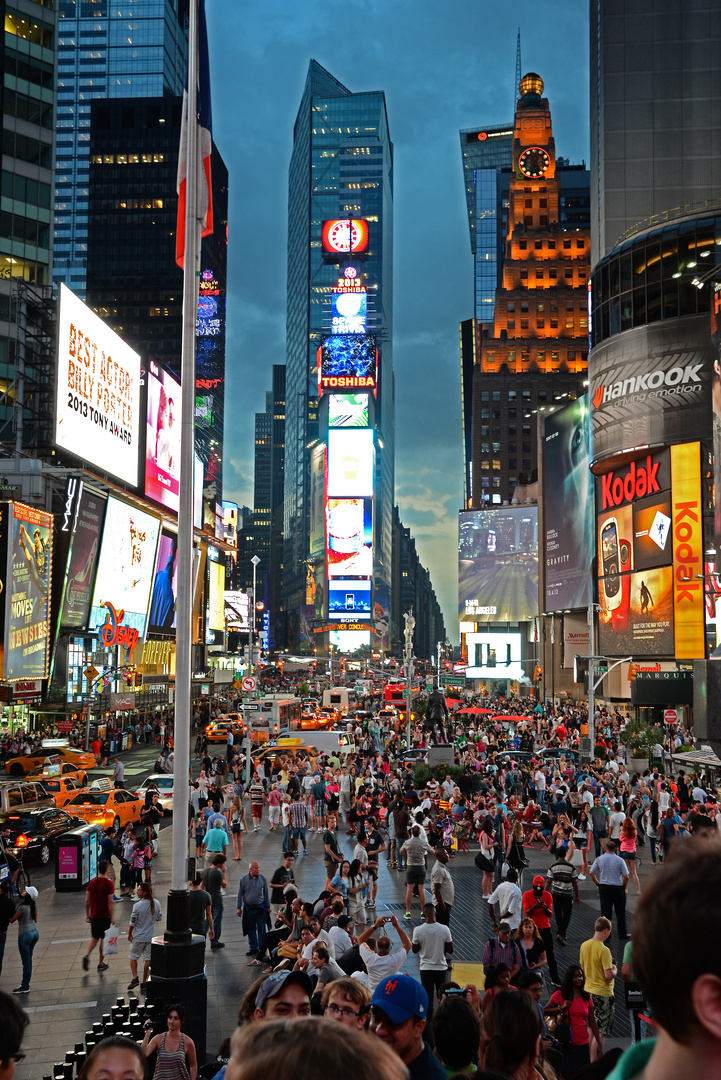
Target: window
(512, 395)
(566, 244)
(522, 245)
(538, 245)
(543, 203)
(510, 307)
(496, 395)
(524, 305)
(580, 244)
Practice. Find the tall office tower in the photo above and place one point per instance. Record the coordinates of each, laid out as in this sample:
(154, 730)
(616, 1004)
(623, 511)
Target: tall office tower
(105, 50)
(535, 349)
(26, 331)
(132, 280)
(340, 230)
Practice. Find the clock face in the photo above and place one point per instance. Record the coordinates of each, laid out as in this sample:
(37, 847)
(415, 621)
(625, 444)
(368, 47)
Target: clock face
(534, 162)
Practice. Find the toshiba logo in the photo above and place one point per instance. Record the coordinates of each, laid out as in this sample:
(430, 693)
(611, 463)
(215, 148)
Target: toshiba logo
(677, 380)
(639, 481)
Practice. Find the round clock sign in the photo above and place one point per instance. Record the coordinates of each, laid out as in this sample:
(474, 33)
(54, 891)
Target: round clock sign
(534, 162)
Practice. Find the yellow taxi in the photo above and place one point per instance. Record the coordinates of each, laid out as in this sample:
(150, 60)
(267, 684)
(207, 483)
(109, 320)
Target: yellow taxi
(217, 730)
(51, 749)
(115, 807)
(61, 789)
(55, 767)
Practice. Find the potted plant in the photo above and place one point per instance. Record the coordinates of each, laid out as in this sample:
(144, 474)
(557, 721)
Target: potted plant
(639, 738)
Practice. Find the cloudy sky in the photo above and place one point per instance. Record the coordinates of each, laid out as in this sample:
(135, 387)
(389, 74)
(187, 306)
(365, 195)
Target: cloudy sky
(443, 66)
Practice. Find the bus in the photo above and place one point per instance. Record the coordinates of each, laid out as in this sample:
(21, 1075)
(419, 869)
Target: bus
(393, 696)
(276, 713)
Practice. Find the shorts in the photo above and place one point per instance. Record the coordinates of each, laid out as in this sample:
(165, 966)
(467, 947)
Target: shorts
(416, 875)
(629, 856)
(372, 869)
(139, 950)
(603, 1007)
(320, 807)
(98, 927)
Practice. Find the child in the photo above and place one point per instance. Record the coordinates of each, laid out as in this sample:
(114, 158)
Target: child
(137, 861)
(197, 829)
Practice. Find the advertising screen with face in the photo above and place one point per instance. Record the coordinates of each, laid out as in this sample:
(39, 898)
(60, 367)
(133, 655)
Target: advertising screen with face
(349, 530)
(27, 614)
(165, 586)
(350, 463)
(162, 445)
(347, 362)
(349, 598)
(498, 564)
(97, 410)
(88, 527)
(126, 565)
(347, 410)
(349, 313)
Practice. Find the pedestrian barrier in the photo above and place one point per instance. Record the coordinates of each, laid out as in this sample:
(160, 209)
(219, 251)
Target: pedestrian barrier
(123, 1019)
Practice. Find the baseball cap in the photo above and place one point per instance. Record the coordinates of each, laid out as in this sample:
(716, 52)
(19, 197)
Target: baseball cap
(504, 927)
(539, 880)
(343, 921)
(275, 983)
(32, 891)
(400, 997)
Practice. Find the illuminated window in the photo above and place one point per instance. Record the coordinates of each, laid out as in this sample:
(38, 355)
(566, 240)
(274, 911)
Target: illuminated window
(108, 159)
(133, 159)
(569, 324)
(485, 448)
(512, 356)
(147, 159)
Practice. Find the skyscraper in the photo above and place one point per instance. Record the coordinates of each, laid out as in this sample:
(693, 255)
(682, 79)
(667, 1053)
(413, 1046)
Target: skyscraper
(341, 170)
(105, 50)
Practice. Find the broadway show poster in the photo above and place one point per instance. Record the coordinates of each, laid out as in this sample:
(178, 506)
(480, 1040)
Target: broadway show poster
(27, 612)
(642, 623)
(162, 617)
(568, 509)
(83, 557)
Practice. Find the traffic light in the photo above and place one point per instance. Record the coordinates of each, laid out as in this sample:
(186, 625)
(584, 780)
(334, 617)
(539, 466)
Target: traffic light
(537, 673)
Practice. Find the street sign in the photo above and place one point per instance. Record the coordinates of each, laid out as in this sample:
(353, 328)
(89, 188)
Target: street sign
(453, 680)
(91, 673)
(429, 686)
(237, 684)
(670, 716)
(251, 706)
(250, 682)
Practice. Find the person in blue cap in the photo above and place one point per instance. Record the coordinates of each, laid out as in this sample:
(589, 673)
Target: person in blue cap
(398, 1015)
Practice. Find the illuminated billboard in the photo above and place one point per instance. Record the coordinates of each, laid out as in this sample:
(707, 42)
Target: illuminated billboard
(97, 408)
(349, 598)
(28, 541)
(347, 361)
(317, 502)
(350, 463)
(494, 656)
(568, 510)
(162, 443)
(237, 606)
(210, 381)
(498, 564)
(162, 617)
(215, 609)
(349, 313)
(347, 410)
(344, 235)
(349, 528)
(126, 565)
(87, 529)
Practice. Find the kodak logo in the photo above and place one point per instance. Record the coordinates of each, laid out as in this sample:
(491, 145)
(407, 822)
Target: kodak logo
(638, 481)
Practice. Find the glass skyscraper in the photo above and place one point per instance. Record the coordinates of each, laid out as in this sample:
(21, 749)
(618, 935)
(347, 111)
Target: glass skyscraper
(341, 167)
(120, 49)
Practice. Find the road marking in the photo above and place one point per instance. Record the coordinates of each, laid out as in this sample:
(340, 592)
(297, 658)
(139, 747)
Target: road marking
(68, 941)
(64, 1008)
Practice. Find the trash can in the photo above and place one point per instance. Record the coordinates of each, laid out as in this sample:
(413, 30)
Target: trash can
(77, 857)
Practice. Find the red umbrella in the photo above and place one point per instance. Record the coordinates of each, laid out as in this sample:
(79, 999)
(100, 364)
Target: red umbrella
(475, 709)
(512, 718)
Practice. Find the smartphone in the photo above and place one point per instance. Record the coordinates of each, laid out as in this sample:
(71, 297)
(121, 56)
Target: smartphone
(454, 992)
(610, 563)
(387, 918)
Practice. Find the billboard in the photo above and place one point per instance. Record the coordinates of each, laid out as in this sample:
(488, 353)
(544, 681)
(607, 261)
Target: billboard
(349, 529)
(162, 443)
(97, 408)
(126, 565)
(650, 386)
(210, 381)
(350, 463)
(348, 410)
(347, 361)
(688, 552)
(494, 656)
(348, 313)
(349, 598)
(29, 539)
(716, 414)
(317, 502)
(162, 618)
(568, 510)
(498, 564)
(84, 546)
(237, 606)
(215, 611)
(344, 235)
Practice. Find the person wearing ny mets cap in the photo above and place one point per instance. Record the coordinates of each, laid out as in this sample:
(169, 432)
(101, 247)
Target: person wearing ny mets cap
(399, 1009)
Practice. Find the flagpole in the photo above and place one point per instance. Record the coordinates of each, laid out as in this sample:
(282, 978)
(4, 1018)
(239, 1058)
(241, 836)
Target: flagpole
(178, 928)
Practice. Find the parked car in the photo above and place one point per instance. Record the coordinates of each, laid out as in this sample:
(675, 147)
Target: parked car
(163, 784)
(34, 831)
(105, 808)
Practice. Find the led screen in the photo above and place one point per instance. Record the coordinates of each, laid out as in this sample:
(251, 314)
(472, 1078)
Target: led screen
(498, 564)
(97, 410)
(568, 507)
(349, 598)
(27, 596)
(162, 444)
(216, 598)
(345, 235)
(347, 361)
(126, 565)
(348, 641)
(349, 313)
(349, 528)
(347, 410)
(87, 530)
(237, 605)
(350, 463)
(162, 616)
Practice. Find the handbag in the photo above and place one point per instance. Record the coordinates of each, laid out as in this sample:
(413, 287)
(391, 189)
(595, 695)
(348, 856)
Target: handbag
(559, 1027)
(288, 951)
(110, 940)
(235, 826)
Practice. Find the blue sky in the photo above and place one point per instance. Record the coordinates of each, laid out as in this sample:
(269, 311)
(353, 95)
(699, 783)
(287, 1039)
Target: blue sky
(443, 66)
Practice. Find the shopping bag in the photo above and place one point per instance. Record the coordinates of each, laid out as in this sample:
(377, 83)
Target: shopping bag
(110, 940)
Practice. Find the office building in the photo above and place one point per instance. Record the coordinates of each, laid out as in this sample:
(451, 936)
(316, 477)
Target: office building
(340, 230)
(413, 592)
(121, 50)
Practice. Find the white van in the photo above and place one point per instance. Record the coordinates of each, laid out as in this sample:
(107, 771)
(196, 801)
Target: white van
(338, 697)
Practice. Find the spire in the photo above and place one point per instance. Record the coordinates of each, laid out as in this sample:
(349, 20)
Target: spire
(516, 81)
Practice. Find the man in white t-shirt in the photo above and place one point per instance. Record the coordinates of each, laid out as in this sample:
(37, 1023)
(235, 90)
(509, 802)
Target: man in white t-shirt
(382, 963)
(540, 779)
(434, 943)
(615, 821)
(340, 937)
(509, 899)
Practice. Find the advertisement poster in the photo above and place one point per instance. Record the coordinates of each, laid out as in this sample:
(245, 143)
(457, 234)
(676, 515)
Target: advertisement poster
(347, 361)
(67, 862)
(349, 313)
(162, 444)
(688, 552)
(27, 612)
(83, 558)
(317, 502)
(642, 623)
(498, 564)
(716, 412)
(215, 611)
(350, 537)
(347, 410)
(126, 565)
(97, 410)
(162, 618)
(568, 508)
(347, 597)
(350, 463)
(382, 609)
(237, 605)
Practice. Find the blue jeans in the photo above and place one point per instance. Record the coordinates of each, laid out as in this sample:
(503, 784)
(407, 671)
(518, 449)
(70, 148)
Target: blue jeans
(256, 927)
(3, 939)
(26, 944)
(216, 910)
(299, 834)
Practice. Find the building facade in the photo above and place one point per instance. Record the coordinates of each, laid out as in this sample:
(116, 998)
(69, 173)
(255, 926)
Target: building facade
(413, 592)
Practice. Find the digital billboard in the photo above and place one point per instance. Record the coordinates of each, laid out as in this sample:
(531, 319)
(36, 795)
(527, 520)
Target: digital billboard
(344, 235)
(97, 408)
(215, 610)
(237, 605)
(162, 617)
(568, 508)
(29, 534)
(84, 546)
(498, 564)
(317, 502)
(347, 361)
(349, 529)
(210, 381)
(347, 410)
(349, 312)
(348, 597)
(350, 463)
(162, 443)
(126, 565)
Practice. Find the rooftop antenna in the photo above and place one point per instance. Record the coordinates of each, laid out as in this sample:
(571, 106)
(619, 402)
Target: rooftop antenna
(516, 91)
